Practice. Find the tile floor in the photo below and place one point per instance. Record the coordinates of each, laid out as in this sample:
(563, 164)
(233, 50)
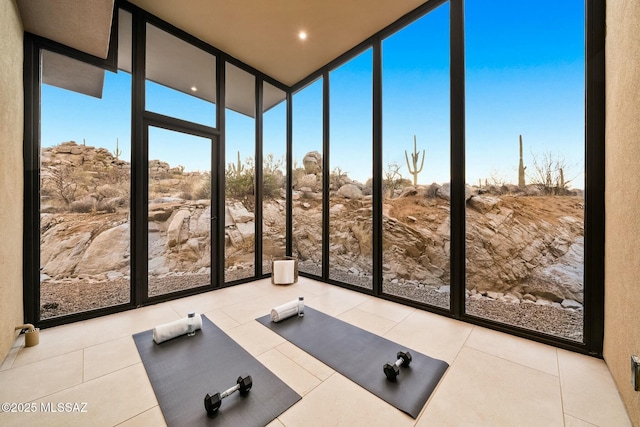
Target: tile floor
(494, 379)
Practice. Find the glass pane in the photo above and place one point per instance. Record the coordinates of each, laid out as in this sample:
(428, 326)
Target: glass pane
(274, 147)
(240, 226)
(351, 213)
(416, 158)
(176, 90)
(307, 178)
(525, 164)
(85, 185)
(179, 242)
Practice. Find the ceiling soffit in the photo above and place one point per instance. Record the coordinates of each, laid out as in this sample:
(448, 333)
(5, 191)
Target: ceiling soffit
(264, 34)
(84, 25)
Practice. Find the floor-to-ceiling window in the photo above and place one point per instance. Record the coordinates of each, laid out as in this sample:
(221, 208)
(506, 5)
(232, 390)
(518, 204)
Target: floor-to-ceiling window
(525, 157)
(178, 163)
(240, 175)
(307, 177)
(416, 147)
(524, 236)
(274, 175)
(179, 234)
(351, 172)
(85, 180)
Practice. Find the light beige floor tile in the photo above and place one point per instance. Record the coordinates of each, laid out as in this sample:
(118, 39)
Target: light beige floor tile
(236, 294)
(152, 417)
(387, 309)
(131, 322)
(340, 402)
(304, 359)
(570, 421)
(589, 392)
(41, 378)
(367, 321)
(19, 342)
(111, 399)
(525, 352)
(255, 338)
(294, 375)
(53, 342)
(109, 357)
(436, 336)
(480, 389)
(196, 303)
(221, 319)
(275, 423)
(336, 301)
(248, 311)
(7, 363)
(311, 287)
(212, 300)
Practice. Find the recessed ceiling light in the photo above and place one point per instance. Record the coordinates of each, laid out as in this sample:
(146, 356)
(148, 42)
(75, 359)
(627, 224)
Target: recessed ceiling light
(194, 89)
(302, 35)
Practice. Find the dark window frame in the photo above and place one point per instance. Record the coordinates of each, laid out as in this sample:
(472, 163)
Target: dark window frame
(594, 165)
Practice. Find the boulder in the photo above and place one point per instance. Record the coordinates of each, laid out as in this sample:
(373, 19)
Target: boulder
(350, 191)
(484, 204)
(309, 181)
(109, 251)
(444, 192)
(203, 224)
(175, 233)
(312, 162)
(239, 213)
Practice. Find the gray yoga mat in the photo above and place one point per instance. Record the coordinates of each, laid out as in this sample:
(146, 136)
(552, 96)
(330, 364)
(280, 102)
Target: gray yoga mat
(183, 370)
(360, 355)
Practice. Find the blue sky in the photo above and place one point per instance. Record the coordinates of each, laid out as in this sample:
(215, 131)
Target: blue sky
(524, 75)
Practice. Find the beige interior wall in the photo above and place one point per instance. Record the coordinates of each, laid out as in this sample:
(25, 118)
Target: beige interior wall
(622, 248)
(11, 171)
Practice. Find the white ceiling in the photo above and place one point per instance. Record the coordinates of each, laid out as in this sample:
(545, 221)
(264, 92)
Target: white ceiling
(262, 34)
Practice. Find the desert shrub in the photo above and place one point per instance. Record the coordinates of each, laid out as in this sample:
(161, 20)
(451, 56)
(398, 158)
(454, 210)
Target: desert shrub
(204, 191)
(239, 185)
(82, 206)
(109, 206)
(240, 180)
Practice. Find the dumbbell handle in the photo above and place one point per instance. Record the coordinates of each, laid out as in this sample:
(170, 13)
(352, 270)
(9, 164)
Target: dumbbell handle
(399, 362)
(229, 391)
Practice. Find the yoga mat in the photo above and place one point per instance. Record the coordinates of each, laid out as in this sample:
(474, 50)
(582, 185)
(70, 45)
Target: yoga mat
(360, 355)
(183, 370)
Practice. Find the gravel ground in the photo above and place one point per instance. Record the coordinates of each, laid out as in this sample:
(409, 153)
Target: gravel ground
(565, 323)
(76, 295)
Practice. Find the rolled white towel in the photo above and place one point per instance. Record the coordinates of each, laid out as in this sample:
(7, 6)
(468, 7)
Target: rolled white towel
(174, 329)
(284, 311)
(283, 272)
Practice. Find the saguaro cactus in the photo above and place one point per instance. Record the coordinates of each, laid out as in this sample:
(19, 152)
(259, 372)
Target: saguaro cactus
(237, 170)
(414, 161)
(117, 153)
(521, 168)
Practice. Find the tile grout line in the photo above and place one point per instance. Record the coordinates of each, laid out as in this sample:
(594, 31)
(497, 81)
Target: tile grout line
(305, 369)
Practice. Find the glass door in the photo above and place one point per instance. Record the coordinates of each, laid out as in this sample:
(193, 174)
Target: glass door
(179, 211)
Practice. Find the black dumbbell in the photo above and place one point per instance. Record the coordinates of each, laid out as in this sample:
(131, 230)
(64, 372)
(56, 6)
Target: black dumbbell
(392, 370)
(212, 403)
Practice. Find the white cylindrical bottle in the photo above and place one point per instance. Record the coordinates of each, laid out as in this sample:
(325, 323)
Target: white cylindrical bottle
(191, 324)
(300, 306)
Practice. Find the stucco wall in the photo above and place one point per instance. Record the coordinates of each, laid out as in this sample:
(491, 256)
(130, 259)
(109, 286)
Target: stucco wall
(622, 261)
(11, 170)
